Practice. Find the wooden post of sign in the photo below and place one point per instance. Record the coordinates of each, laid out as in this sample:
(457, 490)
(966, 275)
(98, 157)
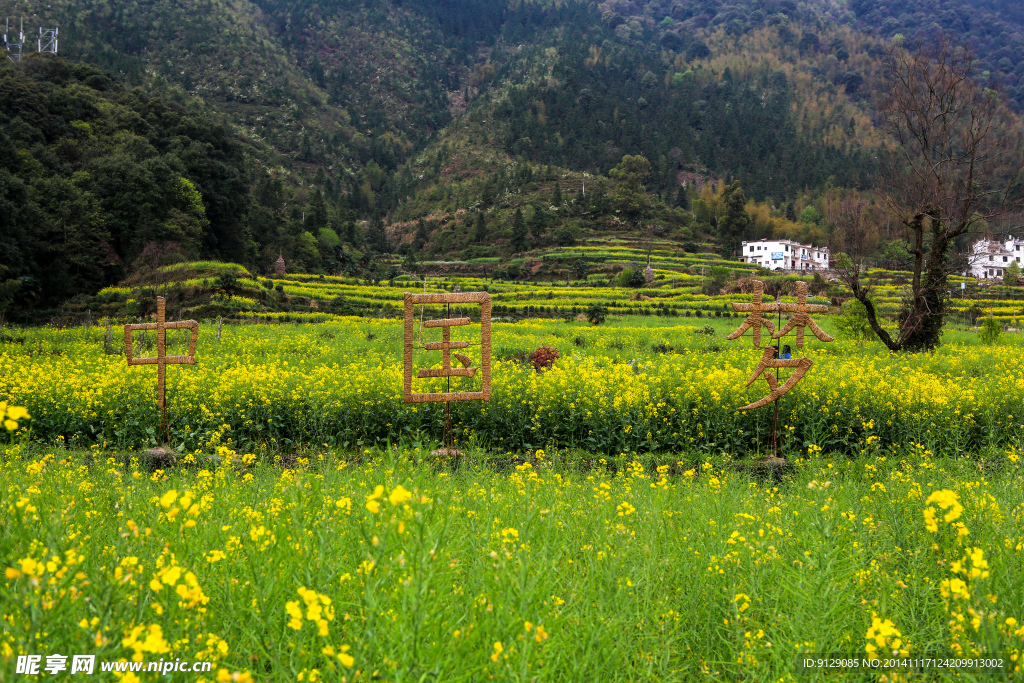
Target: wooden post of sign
(162, 360)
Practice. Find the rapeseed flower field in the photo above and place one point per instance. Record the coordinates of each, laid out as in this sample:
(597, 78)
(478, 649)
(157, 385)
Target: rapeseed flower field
(633, 385)
(678, 288)
(374, 568)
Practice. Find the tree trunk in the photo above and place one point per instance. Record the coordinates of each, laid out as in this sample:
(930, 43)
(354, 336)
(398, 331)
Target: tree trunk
(861, 295)
(924, 329)
(917, 228)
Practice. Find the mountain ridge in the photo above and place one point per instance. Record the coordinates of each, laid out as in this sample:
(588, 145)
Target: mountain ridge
(353, 120)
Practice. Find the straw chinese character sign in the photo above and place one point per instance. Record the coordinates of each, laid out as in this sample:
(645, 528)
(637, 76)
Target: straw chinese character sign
(446, 346)
(162, 360)
(756, 319)
(770, 359)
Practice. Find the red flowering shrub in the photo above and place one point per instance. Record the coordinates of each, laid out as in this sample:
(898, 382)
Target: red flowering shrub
(543, 358)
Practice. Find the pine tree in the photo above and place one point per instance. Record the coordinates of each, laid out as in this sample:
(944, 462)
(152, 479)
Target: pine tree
(317, 216)
(351, 232)
(682, 198)
(422, 235)
(580, 202)
(538, 220)
(736, 220)
(487, 196)
(518, 231)
(481, 227)
(376, 238)
(556, 196)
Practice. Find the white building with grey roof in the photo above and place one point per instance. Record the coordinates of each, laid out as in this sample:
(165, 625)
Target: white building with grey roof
(785, 255)
(989, 259)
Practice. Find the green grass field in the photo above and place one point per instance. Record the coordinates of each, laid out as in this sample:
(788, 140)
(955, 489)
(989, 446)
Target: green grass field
(388, 568)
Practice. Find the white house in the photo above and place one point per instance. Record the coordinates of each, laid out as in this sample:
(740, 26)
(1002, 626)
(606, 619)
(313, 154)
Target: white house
(990, 258)
(785, 255)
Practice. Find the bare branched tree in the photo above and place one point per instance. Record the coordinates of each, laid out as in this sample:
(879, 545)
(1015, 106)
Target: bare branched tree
(861, 225)
(856, 220)
(957, 163)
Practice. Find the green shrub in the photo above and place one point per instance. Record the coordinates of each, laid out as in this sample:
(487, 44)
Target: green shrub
(631, 277)
(597, 314)
(852, 323)
(990, 330)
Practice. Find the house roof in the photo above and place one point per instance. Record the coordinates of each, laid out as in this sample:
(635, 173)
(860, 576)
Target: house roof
(784, 241)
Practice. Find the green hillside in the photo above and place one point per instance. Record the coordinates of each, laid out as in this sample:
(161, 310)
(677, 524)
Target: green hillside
(337, 133)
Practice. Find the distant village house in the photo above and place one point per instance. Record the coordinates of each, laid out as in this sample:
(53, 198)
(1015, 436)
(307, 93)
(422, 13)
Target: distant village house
(990, 258)
(785, 255)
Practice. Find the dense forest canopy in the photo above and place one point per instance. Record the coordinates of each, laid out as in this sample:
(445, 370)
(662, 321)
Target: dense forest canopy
(92, 174)
(601, 101)
(994, 29)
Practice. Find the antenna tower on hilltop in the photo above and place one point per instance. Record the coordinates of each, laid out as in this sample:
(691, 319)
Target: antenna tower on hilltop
(48, 40)
(13, 48)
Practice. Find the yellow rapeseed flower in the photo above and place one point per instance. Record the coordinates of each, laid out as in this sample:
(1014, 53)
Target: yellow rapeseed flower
(372, 503)
(399, 495)
(744, 601)
(292, 608)
(954, 587)
(947, 500)
(167, 500)
(883, 634)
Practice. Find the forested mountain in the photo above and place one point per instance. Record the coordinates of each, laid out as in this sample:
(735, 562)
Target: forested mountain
(994, 29)
(328, 130)
(94, 176)
(743, 110)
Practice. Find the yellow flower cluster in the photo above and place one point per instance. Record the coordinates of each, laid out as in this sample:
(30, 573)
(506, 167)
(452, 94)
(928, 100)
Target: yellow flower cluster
(882, 635)
(397, 496)
(945, 500)
(539, 634)
(11, 414)
(169, 573)
(146, 639)
(264, 391)
(318, 610)
(185, 503)
(341, 653)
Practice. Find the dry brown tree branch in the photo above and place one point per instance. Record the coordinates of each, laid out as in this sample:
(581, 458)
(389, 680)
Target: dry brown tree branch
(957, 159)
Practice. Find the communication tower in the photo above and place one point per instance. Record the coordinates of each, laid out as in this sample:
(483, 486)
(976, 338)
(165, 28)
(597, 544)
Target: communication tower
(14, 48)
(48, 40)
